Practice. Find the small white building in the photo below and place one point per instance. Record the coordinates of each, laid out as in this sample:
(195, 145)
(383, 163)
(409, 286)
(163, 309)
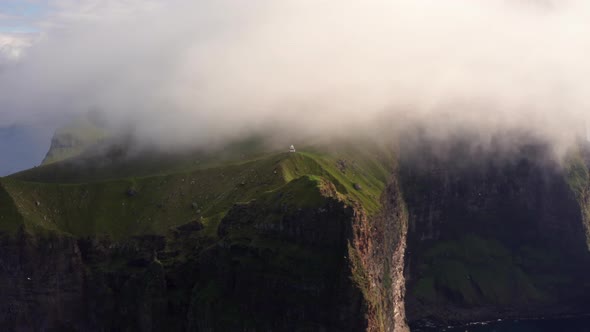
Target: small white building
(291, 148)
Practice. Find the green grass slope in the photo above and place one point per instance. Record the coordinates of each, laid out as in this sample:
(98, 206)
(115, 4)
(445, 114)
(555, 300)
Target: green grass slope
(154, 204)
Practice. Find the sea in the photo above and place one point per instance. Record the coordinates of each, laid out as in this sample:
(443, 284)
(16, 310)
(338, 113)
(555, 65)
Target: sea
(574, 324)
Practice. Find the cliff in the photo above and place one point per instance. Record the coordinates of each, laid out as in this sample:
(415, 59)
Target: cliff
(282, 242)
(495, 232)
(345, 238)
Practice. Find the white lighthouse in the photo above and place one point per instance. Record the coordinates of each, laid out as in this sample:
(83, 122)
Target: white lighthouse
(292, 148)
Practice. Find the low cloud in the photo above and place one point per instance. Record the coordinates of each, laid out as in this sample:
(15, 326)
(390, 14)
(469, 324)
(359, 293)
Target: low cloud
(184, 72)
(13, 46)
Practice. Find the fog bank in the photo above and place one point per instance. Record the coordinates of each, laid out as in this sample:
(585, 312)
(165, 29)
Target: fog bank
(188, 72)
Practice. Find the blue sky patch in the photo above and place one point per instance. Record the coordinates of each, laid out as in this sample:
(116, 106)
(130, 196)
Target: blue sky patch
(21, 16)
(24, 8)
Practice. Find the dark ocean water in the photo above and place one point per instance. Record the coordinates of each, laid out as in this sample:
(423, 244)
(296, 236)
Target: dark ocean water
(22, 147)
(579, 324)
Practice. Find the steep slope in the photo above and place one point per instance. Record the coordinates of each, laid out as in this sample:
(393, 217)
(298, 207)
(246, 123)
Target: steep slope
(10, 218)
(197, 250)
(494, 233)
(578, 178)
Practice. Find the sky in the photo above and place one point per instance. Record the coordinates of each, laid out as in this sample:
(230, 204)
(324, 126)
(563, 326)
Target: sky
(187, 72)
(22, 16)
(21, 146)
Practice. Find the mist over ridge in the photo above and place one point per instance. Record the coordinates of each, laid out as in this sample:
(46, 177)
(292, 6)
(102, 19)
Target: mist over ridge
(182, 73)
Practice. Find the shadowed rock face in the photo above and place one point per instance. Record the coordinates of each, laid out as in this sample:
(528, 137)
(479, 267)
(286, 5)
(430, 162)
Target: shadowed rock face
(274, 267)
(58, 283)
(494, 232)
(290, 273)
(42, 282)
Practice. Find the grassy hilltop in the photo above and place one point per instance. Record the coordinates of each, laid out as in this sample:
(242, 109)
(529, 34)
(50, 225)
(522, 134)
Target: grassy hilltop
(152, 204)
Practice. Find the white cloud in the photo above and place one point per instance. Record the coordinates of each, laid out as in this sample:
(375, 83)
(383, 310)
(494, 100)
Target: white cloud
(12, 46)
(185, 70)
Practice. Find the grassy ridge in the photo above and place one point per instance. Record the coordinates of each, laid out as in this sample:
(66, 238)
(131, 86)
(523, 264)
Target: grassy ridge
(368, 175)
(116, 159)
(154, 204)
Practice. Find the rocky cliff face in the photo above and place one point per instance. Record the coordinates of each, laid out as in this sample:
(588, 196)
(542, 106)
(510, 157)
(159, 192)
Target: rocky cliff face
(42, 282)
(288, 261)
(58, 283)
(494, 233)
(461, 233)
(378, 261)
(279, 267)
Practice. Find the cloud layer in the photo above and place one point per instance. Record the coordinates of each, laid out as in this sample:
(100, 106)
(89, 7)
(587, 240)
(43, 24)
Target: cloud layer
(12, 46)
(185, 72)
